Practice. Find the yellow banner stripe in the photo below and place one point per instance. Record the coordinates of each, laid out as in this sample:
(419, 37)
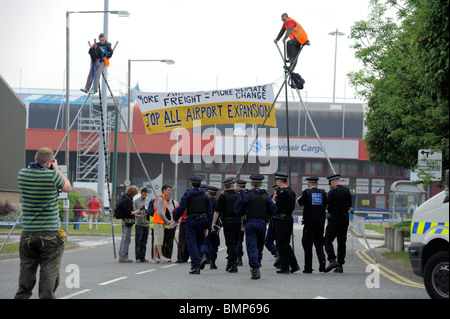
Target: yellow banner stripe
(163, 120)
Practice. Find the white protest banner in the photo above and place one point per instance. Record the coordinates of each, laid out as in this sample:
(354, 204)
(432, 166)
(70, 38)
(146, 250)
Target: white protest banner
(163, 112)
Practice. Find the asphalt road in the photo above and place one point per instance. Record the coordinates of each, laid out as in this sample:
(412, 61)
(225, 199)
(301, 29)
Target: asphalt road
(90, 271)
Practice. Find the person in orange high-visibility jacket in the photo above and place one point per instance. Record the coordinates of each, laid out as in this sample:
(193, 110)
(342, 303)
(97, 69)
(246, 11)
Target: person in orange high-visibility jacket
(159, 221)
(295, 32)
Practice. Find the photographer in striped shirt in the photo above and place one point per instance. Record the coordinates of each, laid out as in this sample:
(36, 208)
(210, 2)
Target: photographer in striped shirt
(41, 243)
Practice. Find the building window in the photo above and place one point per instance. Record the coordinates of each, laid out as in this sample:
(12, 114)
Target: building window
(399, 171)
(336, 168)
(369, 169)
(316, 168)
(224, 167)
(352, 168)
(381, 170)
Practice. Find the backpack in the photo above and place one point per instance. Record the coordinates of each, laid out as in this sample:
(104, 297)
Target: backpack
(296, 81)
(118, 214)
(151, 207)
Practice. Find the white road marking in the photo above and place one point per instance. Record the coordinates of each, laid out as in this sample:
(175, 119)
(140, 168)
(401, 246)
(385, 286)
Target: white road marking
(111, 281)
(144, 272)
(75, 294)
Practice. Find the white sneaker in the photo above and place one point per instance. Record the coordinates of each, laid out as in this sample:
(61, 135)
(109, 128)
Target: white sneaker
(165, 260)
(155, 261)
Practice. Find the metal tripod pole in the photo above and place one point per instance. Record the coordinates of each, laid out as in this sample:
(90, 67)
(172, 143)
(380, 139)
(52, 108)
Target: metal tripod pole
(131, 138)
(107, 169)
(72, 124)
(259, 130)
(315, 131)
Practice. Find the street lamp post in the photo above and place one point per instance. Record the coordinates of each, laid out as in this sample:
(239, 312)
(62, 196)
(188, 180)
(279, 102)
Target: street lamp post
(127, 168)
(336, 34)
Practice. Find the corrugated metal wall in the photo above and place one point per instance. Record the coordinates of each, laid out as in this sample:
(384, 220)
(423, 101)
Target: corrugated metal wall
(12, 136)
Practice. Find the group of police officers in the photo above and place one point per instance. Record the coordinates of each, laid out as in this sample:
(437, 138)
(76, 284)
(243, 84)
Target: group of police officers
(249, 211)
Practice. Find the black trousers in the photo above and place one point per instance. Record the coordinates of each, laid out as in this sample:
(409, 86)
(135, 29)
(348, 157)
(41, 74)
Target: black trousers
(167, 247)
(292, 48)
(231, 231)
(140, 241)
(183, 254)
(313, 235)
(336, 229)
(283, 230)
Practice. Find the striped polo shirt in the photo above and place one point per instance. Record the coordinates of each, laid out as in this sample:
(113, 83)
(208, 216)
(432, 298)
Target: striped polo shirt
(39, 189)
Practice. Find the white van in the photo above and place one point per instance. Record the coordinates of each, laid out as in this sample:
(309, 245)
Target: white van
(429, 249)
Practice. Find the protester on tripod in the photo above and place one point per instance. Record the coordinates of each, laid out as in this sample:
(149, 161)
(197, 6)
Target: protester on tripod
(100, 53)
(295, 32)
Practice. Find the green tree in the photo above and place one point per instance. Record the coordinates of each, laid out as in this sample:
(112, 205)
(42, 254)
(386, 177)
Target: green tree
(404, 79)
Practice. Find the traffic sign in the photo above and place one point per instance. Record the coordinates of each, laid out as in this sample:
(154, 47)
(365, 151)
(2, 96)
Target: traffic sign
(429, 163)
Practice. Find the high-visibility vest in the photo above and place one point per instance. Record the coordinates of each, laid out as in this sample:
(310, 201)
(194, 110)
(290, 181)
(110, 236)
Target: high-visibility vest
(156, 218)
(297, 32)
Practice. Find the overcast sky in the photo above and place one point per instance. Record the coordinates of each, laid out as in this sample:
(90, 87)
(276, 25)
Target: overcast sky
(215, 44)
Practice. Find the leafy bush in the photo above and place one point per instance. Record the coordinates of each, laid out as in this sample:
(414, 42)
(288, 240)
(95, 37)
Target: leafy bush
(6, 208)
(405, 227)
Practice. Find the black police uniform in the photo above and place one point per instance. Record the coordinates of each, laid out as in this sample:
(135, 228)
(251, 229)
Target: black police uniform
(256, 207)
(239, 247)
(211, 243)
(314, 201)
(270, 240)
(198, 219)
(339, 202)
(284, 223)
(231, 223)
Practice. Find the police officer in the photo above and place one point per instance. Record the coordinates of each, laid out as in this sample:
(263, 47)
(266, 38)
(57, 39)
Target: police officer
(198, 219)
(284, 223)
(314, 201)
(241, 188)
(231, 222)
(212, 241)
(256, 207)
(270, 240)
(339, 204)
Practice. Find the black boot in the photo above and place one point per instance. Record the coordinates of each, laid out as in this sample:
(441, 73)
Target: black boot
(239, 261)
(203, 261)
(229, 264)
(195, 271)
(333, 264)
(322, 266)
(339, 269)
(233, 268)
(255, 273)
(277, 260)
(213, 264)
